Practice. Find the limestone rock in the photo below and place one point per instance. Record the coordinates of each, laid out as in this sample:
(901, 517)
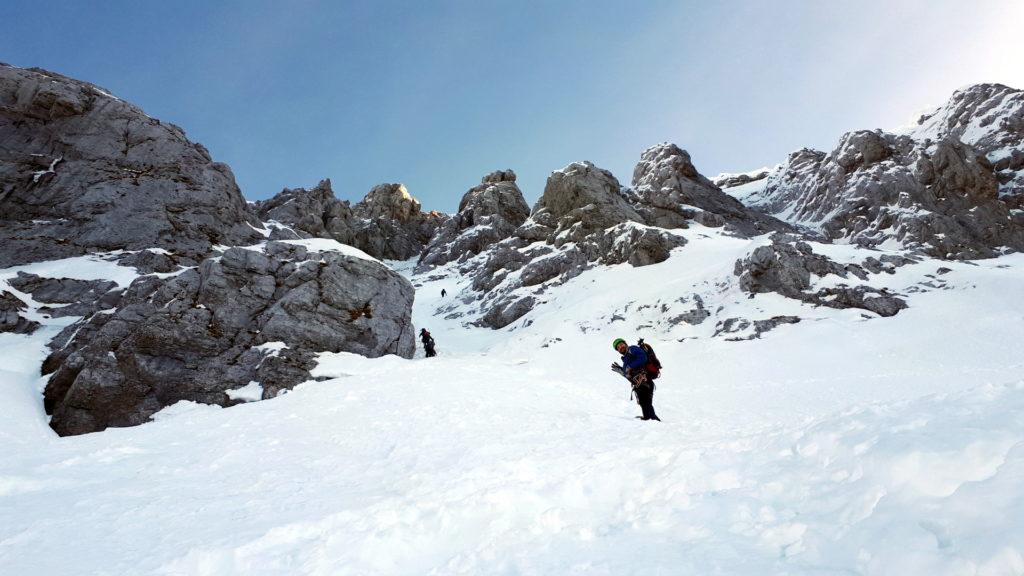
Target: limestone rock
(312, 213)
(196, 335)
(74, 297)
(669, 192)
(580, 199)
(990, 118)
(387, 224)
(582, 219)
(11, 319)
(732, 180)
(939, 198)
(786, 268)
(488, 213)
(81, 170)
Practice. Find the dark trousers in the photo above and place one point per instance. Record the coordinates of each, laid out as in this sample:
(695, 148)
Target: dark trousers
(429, 348)
(643, 388)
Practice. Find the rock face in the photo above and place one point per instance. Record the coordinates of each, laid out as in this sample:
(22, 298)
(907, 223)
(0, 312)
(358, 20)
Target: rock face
(81, 170)
(245, 317)
(939, 198)
(990, 118)
(11, 319)
(732, 180)
(586, 218)
(669, 192)
(392, 224)
(488, 213)
(73, 297)
(388, 223)
(786, 267)
(582, 219)
(312, 213)
(952, 186)
(581, 199)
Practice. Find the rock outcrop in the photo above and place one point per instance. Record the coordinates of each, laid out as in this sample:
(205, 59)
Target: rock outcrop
(669, 192)
(244, 317)
(787, 265)
(392, 225)
(388, 223)
(939, 198)
(578, 200)
(70, 297)
(11, 319)
(81, 170)
(586, 218)
(990, 118)
(733, 180)
(312, 213)
(582, 219)
(951, 186)
(488, 213)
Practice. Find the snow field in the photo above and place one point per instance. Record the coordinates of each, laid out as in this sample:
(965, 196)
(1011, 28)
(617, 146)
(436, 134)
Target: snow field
(843, 444)
(487, 467)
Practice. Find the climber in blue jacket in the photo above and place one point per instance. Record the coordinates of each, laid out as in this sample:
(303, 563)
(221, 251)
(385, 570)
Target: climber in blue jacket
(634, 368)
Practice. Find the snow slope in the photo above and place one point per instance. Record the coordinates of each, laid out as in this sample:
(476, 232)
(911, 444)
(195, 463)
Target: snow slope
(845, 444)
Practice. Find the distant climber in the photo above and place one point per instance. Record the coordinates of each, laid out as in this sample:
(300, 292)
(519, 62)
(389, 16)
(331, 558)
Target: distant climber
(428, 342)
(443, 292)
(640, 368)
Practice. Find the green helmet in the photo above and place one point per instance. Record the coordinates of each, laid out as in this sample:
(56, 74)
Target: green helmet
(616, 343)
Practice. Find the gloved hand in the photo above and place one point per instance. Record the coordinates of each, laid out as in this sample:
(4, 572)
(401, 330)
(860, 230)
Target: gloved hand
(616, 367)
(637, 377)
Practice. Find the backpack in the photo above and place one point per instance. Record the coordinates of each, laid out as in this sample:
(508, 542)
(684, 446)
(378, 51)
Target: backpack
(653, 367)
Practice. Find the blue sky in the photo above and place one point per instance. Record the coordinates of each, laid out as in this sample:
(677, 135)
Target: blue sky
(436, 94)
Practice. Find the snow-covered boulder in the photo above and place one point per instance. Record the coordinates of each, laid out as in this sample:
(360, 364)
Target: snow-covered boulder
(210, 329)
(81, 170)
(488, 213)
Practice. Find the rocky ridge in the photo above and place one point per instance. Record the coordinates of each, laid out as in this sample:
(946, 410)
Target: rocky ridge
(388, 223)
(990, 118)
(205, 321)
(947, 187)
(586, 218)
